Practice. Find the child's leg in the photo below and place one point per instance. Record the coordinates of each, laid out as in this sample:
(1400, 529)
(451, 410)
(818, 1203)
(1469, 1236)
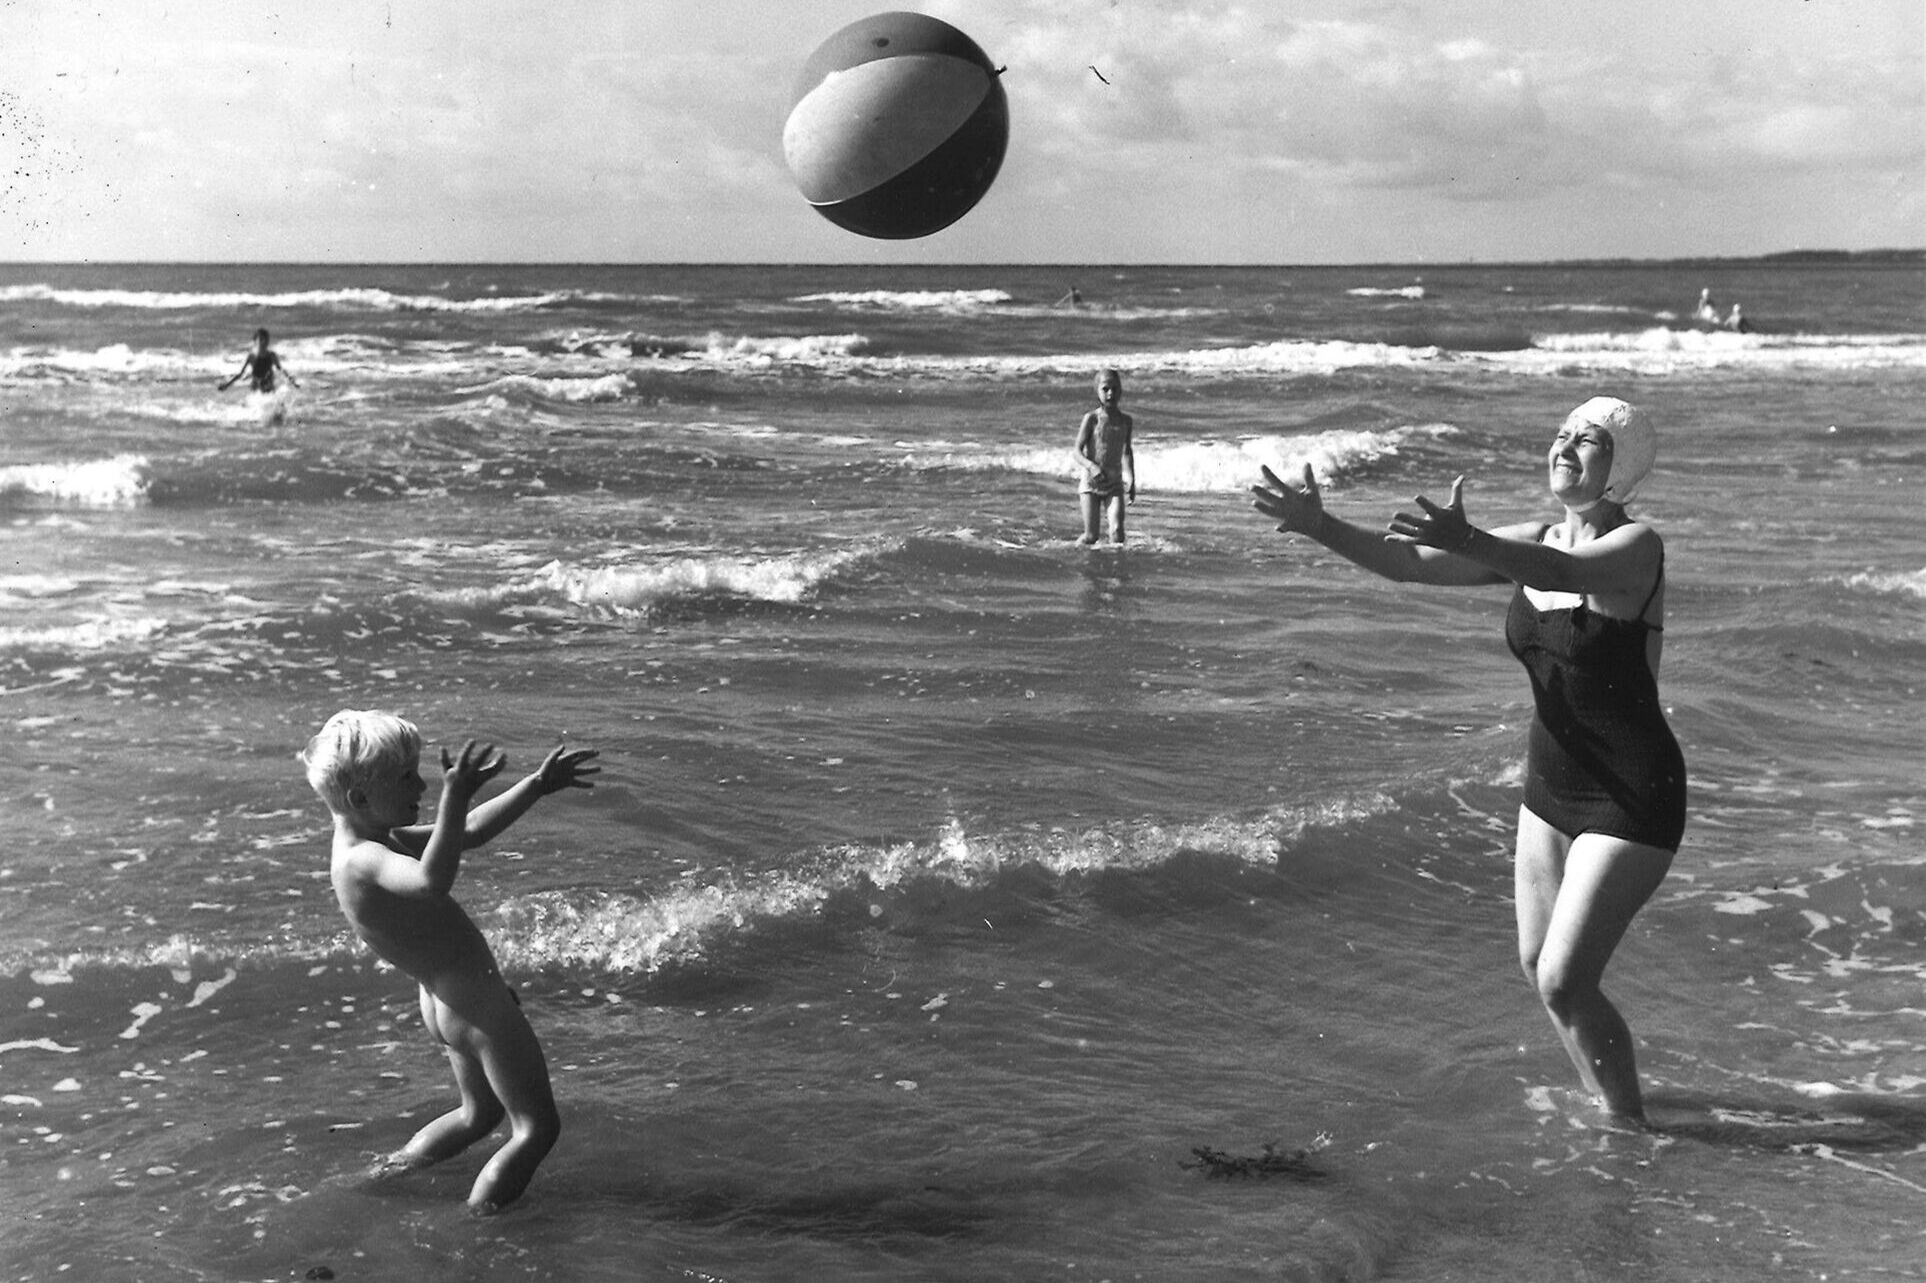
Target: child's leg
(493, 1039)
(1092, 512)
(479, 1113)
(518, 1072)
(1117, 518)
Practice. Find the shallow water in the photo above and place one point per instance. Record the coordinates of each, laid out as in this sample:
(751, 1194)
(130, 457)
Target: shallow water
(948, 886)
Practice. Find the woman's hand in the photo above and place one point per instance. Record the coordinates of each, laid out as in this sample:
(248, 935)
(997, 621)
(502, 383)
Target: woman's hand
(1435, 527)
(1297, 508)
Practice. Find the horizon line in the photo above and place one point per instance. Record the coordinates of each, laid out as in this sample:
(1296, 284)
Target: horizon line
(1780, 256)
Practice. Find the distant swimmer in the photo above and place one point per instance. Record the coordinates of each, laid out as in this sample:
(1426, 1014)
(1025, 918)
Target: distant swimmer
(1108, 462)
(260, 365)
(1073, 299)
(1707, 310)
(1737, 321)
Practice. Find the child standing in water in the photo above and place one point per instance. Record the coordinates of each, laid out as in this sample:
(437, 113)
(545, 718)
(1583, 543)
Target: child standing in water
(260, 365)
(1108, 463)
(392, 877)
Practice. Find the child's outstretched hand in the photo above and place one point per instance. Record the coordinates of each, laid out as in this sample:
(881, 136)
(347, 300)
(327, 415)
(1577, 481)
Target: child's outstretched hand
(565, 768)
(473, 767)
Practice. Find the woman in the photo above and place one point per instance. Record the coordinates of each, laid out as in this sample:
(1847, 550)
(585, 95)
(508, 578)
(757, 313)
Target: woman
(1605, 782)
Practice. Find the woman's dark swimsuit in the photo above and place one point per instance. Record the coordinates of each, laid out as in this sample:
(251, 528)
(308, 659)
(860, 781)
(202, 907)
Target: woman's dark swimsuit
(1601, 758)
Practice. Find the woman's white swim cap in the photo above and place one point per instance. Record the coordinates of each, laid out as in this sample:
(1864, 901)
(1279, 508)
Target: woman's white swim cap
(1634, 441)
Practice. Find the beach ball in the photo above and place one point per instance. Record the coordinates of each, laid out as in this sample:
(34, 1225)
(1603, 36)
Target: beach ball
(898, 126)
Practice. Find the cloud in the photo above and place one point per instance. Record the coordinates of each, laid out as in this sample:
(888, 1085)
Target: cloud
(589, 128)
(1335, 102)
(1383, 102)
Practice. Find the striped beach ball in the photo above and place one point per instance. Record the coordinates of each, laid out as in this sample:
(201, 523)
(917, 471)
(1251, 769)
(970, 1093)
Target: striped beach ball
(898, 127)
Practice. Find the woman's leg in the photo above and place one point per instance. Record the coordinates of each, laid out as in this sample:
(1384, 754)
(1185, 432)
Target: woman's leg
(1576, 897)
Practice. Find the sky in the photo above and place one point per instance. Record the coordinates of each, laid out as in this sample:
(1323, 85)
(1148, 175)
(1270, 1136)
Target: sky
(1142, 131)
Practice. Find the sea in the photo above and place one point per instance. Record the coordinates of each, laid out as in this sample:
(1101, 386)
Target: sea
(956, 902)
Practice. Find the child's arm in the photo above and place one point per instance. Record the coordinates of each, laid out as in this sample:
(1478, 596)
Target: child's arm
(1087, 446)
(246, 362)
(461, 776)
(284, 369)
(1130, 463)
(562, 768)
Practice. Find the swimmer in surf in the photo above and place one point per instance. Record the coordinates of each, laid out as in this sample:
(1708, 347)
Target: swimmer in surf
(1108, 463)
(1604, 802)
(260, 366)
(1707, 311)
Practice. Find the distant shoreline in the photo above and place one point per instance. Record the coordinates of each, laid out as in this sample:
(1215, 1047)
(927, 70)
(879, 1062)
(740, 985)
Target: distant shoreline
(1779, 258)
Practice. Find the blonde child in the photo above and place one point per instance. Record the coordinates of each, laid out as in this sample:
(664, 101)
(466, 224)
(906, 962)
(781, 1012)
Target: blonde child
(392, 876)
(1108, 463)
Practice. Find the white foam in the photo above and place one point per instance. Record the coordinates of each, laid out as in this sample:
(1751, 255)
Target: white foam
(799, 349)
(627, 933)
(1210, 467)
(1661, 350)
(90, 634)
(606, 387)
(37, 585)
(1903, 583)
(911, 300)
(638, 589)
(1656, 350)
(99, 483)
(367, 300)
(786, 579)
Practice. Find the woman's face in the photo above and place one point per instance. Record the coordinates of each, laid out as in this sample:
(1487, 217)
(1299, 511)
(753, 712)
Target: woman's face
(1579, 464)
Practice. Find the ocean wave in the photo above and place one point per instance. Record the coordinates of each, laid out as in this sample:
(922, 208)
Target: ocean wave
(1220, 467)
(911, 300)
(1088, 311)
(574, 365)
(575, 391)
(893, 881)
(633, 934)
(621, 933)
(32, 586)
(1603, 309)
(1901, 583)
(1211, 467)
(1661, 350)
(1413, 292)
(364, 299)
(1668, 339)
(85, 635)
(785, 579)
(800, 349)
(100, 483)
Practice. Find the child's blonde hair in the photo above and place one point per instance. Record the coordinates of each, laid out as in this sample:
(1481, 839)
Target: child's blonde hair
(353, 747)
